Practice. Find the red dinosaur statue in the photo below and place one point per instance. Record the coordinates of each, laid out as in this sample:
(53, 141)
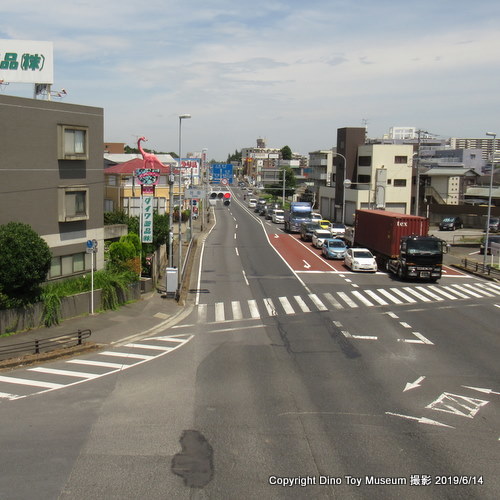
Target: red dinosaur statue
(149, 158)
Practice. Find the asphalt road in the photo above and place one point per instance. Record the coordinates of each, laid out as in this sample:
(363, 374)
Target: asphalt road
(283, 382)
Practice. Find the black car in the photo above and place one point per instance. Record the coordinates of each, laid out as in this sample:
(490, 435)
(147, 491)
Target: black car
(307, 229)
(451, 223)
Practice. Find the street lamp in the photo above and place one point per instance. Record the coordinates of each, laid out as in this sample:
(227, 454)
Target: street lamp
(347, 184)
(344, 182)
(494, 135)
(181, 117)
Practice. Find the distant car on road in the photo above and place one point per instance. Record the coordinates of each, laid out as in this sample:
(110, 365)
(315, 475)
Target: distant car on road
(307, 229)
(325, 224)
(252, 203)
(337, 229)
(315, 217)
(333, 248)
(319, 236)
(278, 216)
(451, 223)
(360, 259)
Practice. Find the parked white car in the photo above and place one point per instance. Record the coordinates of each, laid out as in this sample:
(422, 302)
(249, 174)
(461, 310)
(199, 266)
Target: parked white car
(278, 216)
(360, 259)
(319, 236)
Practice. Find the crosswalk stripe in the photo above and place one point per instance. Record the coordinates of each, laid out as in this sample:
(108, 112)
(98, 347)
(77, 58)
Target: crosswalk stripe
(125, 355)
(317, 302)
(271, 310)
(66, 373)
(449, 288)
(423, 289)
(484, 292)
(34, 383)
(219, 311)
(104, 364)
(442, 292)
(254, 310)
(374, 296)
(303, 306)
(347, 300)
(150, 347)
(466, 290)
(362, 298)
(389, 296)
(236, 307)
(202, 313)
(6, 395)
(403, 295)
(286, 305)
(491, 287)
(333, 301)
(416, 294)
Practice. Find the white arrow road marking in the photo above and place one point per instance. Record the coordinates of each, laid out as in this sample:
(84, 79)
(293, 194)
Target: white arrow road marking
(413, 385)
(480, 389)
(276, 235)
(420, 420)
(306, 264)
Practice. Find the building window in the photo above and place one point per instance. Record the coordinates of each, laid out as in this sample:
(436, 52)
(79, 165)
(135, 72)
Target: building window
(365, 161)
(399, 182)
(67, 265)
(401, 159)
(364, 179)
(109, 205)
(73, 203)
(73, 143)
(389, 182)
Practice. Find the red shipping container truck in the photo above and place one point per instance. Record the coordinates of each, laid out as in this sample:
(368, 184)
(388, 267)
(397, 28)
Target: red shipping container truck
(400, 242)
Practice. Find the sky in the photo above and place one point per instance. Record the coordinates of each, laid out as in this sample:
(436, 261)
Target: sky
(291, 72)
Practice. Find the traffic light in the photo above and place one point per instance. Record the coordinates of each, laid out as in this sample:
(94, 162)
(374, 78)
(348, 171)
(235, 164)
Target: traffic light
(227, 199)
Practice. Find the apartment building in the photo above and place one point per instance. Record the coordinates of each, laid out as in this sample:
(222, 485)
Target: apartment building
(51, 177)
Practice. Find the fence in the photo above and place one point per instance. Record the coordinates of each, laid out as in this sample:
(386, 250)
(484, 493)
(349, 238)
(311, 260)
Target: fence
(477, 267)
(47, 344)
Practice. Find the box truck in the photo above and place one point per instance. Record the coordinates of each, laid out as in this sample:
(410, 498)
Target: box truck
(401, 243)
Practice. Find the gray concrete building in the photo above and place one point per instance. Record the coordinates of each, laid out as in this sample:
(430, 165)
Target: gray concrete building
(51, 177)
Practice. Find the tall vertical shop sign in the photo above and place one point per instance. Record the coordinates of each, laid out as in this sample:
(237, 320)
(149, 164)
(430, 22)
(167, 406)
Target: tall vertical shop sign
(26, 61)
(147, 178)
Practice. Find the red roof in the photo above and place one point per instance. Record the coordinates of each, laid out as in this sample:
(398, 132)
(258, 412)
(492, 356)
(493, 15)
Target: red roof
(129, 167)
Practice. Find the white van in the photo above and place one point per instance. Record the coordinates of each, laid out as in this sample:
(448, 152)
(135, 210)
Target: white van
(252, 203)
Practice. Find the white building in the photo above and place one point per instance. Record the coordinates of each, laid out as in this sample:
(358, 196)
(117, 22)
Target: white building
(383, 179)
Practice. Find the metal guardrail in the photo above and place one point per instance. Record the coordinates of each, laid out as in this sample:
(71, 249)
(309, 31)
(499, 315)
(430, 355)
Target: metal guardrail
(477, 267)
(47, 344)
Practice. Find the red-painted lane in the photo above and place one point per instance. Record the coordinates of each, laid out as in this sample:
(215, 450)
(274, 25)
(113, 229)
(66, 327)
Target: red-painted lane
(300, 257)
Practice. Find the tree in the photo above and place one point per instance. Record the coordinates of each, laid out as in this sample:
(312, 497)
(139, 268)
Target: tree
(24, 262)
(286, 153)
(236, 157)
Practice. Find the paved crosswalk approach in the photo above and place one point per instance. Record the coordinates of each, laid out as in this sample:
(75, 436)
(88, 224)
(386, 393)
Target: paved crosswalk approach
(78, 370)
(253, 309)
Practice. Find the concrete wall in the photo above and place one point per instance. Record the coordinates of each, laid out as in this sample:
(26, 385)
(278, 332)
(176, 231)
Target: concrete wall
(15, 320)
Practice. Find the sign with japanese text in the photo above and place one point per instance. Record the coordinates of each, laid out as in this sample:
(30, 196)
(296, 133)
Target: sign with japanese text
(190, 166)
(148, 178)
(26, 61)
(219, 171)
(147, 219)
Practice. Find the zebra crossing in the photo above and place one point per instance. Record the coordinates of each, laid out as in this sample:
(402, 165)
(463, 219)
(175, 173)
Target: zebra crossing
(236, 310)
(39, 379)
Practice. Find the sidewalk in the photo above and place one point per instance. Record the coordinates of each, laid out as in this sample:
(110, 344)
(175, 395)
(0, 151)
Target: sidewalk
(152, 312)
